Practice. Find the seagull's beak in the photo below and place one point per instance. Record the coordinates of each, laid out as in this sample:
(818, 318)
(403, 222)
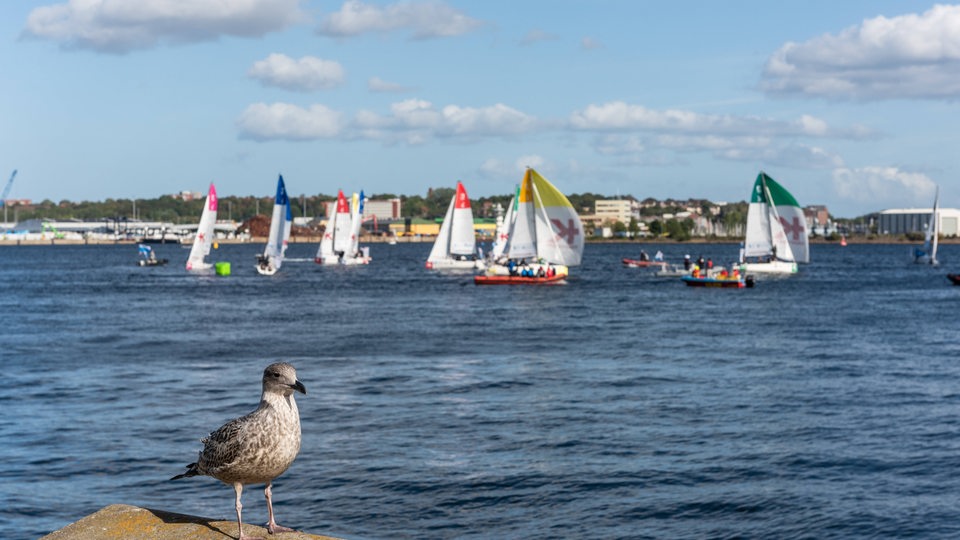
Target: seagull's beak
(298, 386)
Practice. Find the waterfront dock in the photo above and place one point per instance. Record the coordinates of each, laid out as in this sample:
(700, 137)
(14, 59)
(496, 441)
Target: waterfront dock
(125, 522)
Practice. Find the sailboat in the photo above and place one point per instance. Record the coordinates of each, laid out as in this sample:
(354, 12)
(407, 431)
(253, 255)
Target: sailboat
(928, 253)
(204, 238)
(456, 243)
(545, 233)
(341, 239)
(280, 224)
(503, 229)
(776, 238)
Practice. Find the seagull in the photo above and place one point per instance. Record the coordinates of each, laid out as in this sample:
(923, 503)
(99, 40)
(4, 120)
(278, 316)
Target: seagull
(258, 447)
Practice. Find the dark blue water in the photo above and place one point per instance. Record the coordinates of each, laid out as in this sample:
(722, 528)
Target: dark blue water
(618, 405)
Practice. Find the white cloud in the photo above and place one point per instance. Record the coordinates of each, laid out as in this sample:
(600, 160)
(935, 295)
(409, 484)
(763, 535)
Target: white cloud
(618, 116)
(536, 36)
(794, 155)
(411, 121)
(909, 56)
(306, 74)
(122, 26)
(494, 168)
(416, 121)
(426, 19)
(532, 160)
(376, 84)
(884, 186)
(588, 43)
(284, 121)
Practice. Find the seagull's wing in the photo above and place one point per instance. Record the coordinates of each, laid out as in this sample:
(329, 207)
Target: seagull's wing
(222, 447)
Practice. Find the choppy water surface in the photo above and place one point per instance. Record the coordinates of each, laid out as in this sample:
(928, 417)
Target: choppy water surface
(615, 406)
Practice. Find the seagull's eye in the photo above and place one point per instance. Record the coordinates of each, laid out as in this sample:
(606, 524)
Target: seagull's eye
(275, 373)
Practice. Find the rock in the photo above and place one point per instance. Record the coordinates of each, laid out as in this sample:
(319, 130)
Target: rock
(125, 522)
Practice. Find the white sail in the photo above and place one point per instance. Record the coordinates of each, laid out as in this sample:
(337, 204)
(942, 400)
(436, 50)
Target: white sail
(935, 218)
(545, 225)
(776, 229)
(204, 238)
(356, 220)
(928, 255)
(280, 225)
(340, 242)
(441, 246)
(341, 230)
(503, 229)
(522, 241)
(456, 242)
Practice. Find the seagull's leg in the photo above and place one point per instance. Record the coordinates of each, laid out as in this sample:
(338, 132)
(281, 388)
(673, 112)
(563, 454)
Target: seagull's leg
(272, 526)
(238, 487)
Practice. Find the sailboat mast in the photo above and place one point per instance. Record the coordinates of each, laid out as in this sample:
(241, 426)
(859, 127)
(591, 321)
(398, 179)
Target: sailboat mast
(772, 209)
(558, 257)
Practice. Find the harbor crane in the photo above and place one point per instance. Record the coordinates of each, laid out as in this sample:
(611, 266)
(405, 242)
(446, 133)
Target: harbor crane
(6, 191)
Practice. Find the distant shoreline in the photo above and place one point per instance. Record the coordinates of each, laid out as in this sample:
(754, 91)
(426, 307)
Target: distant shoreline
(426, 239)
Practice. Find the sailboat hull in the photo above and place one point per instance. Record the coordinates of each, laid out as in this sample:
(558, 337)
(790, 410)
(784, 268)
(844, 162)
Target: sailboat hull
(517, 280)
(502, 270)
(772, 267)
(722, 283)
(454, 264)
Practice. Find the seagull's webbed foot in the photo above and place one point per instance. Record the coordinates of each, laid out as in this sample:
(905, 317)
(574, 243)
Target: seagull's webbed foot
(272, 526)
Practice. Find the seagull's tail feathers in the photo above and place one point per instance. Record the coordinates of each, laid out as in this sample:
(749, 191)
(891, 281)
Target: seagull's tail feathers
(191, 471)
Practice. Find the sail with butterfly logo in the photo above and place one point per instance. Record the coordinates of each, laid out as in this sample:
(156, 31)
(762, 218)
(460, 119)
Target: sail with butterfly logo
(544, 232)
(776, 238)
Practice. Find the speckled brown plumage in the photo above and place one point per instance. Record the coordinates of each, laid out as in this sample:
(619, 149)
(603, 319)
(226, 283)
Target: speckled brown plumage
(257, 447)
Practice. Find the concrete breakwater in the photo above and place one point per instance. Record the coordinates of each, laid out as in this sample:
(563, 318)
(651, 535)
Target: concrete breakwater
(125, 522)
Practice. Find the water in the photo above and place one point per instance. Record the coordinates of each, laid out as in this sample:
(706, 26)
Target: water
(619, 405)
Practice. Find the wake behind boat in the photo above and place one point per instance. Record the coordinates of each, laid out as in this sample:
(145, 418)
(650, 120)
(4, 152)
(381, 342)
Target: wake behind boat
(776, 238)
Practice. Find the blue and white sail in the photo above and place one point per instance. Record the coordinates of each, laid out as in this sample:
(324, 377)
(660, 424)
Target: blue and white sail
(281, 223)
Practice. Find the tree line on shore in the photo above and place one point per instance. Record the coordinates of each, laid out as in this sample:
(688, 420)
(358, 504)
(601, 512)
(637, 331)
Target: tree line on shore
(433, 205)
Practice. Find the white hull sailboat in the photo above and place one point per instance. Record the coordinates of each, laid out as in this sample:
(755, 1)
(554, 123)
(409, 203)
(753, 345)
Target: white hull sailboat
(204, 238)
(776, 238)
(544, 232)
(280, 224)
(928, 253)
(340, 244)
(456, 243)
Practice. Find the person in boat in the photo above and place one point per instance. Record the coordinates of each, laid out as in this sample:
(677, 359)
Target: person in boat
(541, 272)
(644, 256)
(696, 271)
(340, 255)
(512, 267)
(709, 264)
(686, 262)
(658, 256)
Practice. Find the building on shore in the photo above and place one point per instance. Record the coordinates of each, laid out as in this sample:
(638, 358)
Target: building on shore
(915, 220)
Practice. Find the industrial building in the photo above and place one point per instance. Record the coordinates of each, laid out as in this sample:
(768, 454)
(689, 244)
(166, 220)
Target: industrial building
(916, 220)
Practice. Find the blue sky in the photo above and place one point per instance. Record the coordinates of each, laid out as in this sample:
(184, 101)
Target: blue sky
(849, 104)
